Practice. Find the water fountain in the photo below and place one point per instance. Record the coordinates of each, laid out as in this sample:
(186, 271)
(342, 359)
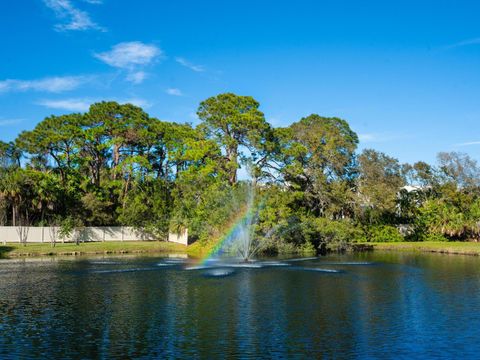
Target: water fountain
(239, 246)
(240, 241)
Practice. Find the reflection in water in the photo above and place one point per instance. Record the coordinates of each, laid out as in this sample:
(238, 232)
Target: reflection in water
(372, 305)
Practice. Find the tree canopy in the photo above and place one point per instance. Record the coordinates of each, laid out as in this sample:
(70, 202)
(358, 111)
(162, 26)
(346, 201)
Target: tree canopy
(117, 165)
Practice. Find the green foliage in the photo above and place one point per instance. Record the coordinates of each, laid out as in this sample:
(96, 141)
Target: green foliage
(116, 165)
(317, 158)
(69, 228)
(308, 233)
(383, 233)
(434, 237)
(206, 207)
(319, 231)
(379, 182)
(235, 122)
(147, 207)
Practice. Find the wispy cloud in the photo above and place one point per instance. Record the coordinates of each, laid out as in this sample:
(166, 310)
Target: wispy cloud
(128, 55)
(137, 77)
(4, 85)
(131, 56)
(467, 42)
(55, 84)
(76, 105)
(470, 143)
(381, 137)
(184, 62)
(174, 92)
(7, 122)
(136, 101)
(72, 17)
(83, 104)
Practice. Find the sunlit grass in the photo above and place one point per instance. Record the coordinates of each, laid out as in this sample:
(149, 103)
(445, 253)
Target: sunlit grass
(454, 247)
(110, 247)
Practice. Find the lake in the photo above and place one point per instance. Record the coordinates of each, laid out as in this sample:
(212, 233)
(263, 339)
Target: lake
(370, 305)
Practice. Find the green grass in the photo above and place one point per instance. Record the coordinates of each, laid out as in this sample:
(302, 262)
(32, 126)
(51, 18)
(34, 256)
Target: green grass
(199, 250)
(110, 247)
(453, 247)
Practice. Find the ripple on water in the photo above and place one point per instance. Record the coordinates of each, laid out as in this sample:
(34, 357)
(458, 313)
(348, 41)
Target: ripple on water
(166, 264)
(226, 265)
(218, 272)
(274, 263)
(175, 260)
(331, 271)
(302, 259)
(113, 271)
(359, 263)
(245, 265)
(197, 267)
(305, 310)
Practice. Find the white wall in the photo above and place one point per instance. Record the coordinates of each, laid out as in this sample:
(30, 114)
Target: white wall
(39, 234)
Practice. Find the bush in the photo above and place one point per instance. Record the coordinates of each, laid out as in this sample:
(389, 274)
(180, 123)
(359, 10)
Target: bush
(434, 237)
(384, 233)
(311, 234)
(334, 232)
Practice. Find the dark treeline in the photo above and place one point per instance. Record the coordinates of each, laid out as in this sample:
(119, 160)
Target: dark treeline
(116, 165)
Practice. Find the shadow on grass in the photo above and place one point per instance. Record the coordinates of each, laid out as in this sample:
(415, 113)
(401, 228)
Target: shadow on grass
(4, 250)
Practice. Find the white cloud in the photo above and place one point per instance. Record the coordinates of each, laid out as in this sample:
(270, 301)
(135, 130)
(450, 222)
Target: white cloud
(7, 122)
(128, 55)
(72, 17)
(95, 2)
(76, 105)
(55, 84)
(470, 143)
(473, 41)
(174, 92)
(189, 65)
(131, 56)
(83, 104)
(137, 102)
(382, 137)
(137, 77)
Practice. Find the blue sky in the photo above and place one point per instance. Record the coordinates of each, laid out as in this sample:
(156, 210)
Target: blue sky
(404, 74)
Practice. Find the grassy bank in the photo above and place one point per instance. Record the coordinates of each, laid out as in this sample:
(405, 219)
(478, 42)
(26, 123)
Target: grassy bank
(200, 250)
(113, 247)
(460, 248)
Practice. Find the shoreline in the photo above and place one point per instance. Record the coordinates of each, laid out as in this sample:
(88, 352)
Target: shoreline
(449, 248)
(16, 250)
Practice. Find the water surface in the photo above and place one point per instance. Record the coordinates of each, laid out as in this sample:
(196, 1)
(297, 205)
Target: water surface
(372, 306)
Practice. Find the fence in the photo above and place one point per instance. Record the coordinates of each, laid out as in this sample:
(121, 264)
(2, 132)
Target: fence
(41, 234)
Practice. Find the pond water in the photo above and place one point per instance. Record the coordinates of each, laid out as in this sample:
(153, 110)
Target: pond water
(374, 305)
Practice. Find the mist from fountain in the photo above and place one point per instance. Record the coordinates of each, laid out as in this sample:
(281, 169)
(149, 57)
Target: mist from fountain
(239, 246)
(240, 242)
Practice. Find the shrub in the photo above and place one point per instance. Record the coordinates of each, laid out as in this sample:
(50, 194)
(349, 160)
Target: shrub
(434, 237)
(384, 233)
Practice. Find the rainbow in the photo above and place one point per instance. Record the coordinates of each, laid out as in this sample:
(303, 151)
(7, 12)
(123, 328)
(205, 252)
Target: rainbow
(229, 236)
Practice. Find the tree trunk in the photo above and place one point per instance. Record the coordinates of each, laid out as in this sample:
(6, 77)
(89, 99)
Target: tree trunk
(232, 165)
(116, 160)
(233, 177)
